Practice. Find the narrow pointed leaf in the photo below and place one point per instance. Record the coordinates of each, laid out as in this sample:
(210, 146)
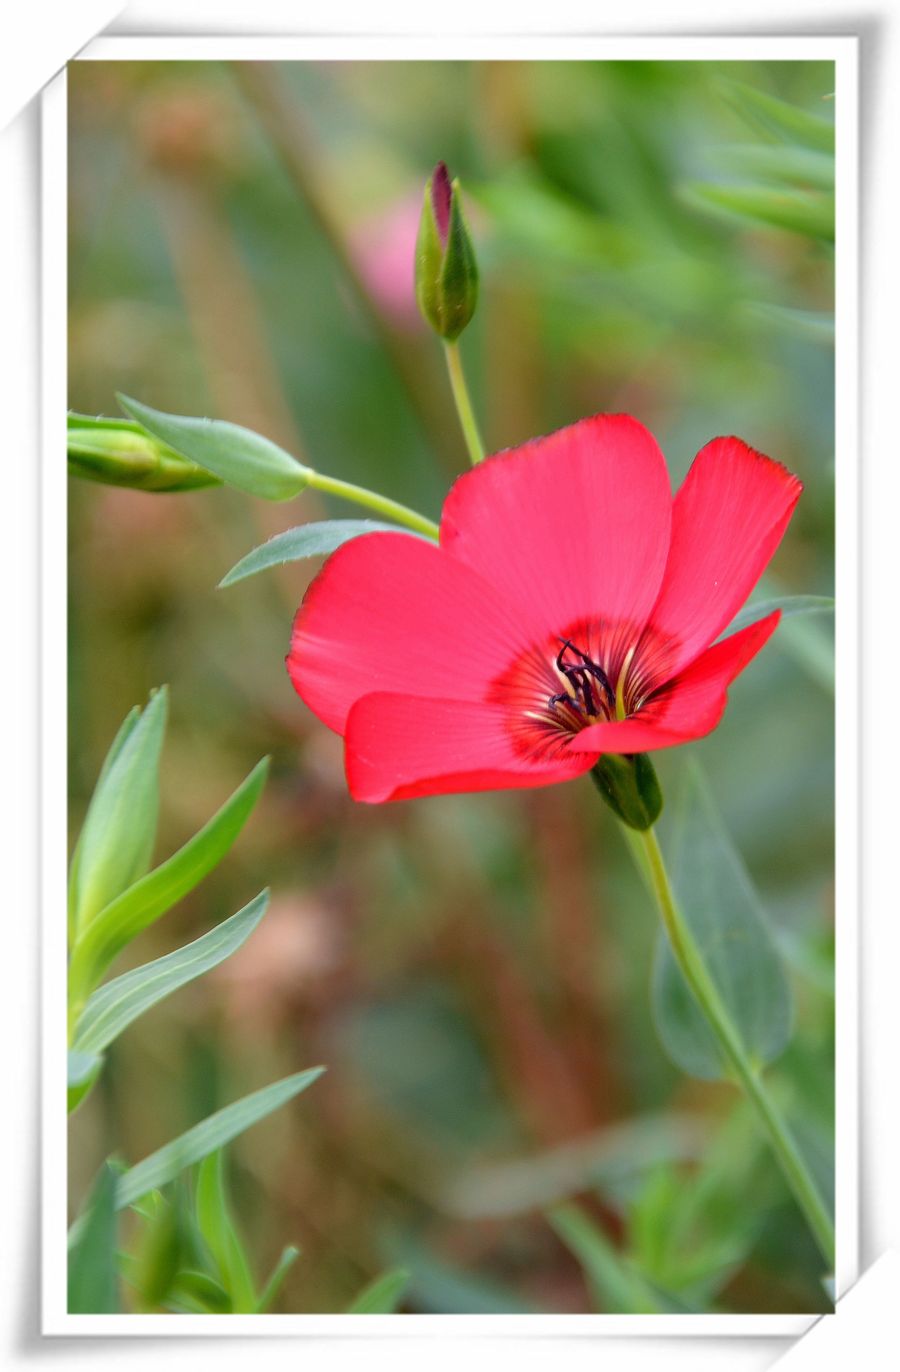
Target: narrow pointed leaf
(789, 605)
(119, 1002)
(787, 164)
(307, 540)
(215, 1222)
(83, 1071)
(289, 1256)
(802, 635)
(810, 213)
(729, 928)
(195, 1292)
(778, 118)
(238, 456)
(119, 830)
(617, 1288)
(383, 1295)
(93, 1274)
(214, 1132)
(159, 890)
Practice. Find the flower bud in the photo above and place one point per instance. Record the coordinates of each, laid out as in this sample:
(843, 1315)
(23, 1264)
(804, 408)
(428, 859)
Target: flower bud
(120, 453)
(630, 788)
(446, 271)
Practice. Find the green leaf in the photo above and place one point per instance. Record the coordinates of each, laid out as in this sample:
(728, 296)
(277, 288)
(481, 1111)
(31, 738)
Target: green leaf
(240, 457)
(381, 1296)
(119, 830)
(289, 1256)
(212, 1133)
(810, 213)
(119, 1002)
(83, 1071)
(688, 1232)
(778, 118)
(194, 1292)
(802, 637)
(616, 1287)
(215, 1223)
(790, 165)
(723, 912)
(307, 540)
(159, 890)
(93, 1273)
(162, 1248)
(788, 605)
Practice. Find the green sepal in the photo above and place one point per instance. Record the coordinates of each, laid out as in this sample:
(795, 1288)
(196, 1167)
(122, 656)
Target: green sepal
(629, 785)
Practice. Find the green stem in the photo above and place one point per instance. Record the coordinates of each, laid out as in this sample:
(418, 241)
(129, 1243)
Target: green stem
(463, 401)
(681, 940)
(391, 509)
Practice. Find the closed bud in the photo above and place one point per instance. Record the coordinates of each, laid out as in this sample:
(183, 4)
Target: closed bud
(446, 271)
(120, 453)
(630, 788)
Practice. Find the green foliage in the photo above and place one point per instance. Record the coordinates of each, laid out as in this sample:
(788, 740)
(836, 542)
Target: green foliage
(187, 1255)
(204, 1138)
(153, 895)
(780, 119)
(238, 456)
(790, 182)
(93, 1275)
(731, 934)
(117, 838)
(185, 1258)
(684, 1232)
(83, 1068)
(115, 1005)
(215, 1223)
(788, 605)
(167, 1266)
(689, 1233)
(381, 1296)
(617, 1287)
(307, 540)
(805, 212)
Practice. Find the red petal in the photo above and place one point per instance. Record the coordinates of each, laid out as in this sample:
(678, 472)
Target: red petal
(390, 612)
(572, 526)
(689, 707)
(728, 519)
(397, 748)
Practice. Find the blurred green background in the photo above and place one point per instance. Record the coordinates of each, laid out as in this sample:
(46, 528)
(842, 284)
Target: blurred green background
(473, 970)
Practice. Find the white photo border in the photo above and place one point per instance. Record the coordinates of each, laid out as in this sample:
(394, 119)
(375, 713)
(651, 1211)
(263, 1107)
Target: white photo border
(843, 51)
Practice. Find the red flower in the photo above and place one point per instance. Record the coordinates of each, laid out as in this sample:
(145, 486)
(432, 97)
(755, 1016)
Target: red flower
(567, 612)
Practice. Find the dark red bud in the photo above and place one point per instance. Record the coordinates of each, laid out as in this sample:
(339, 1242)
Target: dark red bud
(441, 194)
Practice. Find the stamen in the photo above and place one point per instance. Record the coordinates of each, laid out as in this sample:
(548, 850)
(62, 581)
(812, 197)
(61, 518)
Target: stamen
(621, 709)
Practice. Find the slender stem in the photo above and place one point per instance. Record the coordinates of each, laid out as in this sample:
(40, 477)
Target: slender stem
(392, 509)
(806, 1193)
(463, 401)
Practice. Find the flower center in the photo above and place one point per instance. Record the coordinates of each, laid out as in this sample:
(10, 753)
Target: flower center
(588, 674)
(587, 692)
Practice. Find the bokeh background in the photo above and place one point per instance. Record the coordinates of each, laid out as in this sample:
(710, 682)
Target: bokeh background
(473, 970)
